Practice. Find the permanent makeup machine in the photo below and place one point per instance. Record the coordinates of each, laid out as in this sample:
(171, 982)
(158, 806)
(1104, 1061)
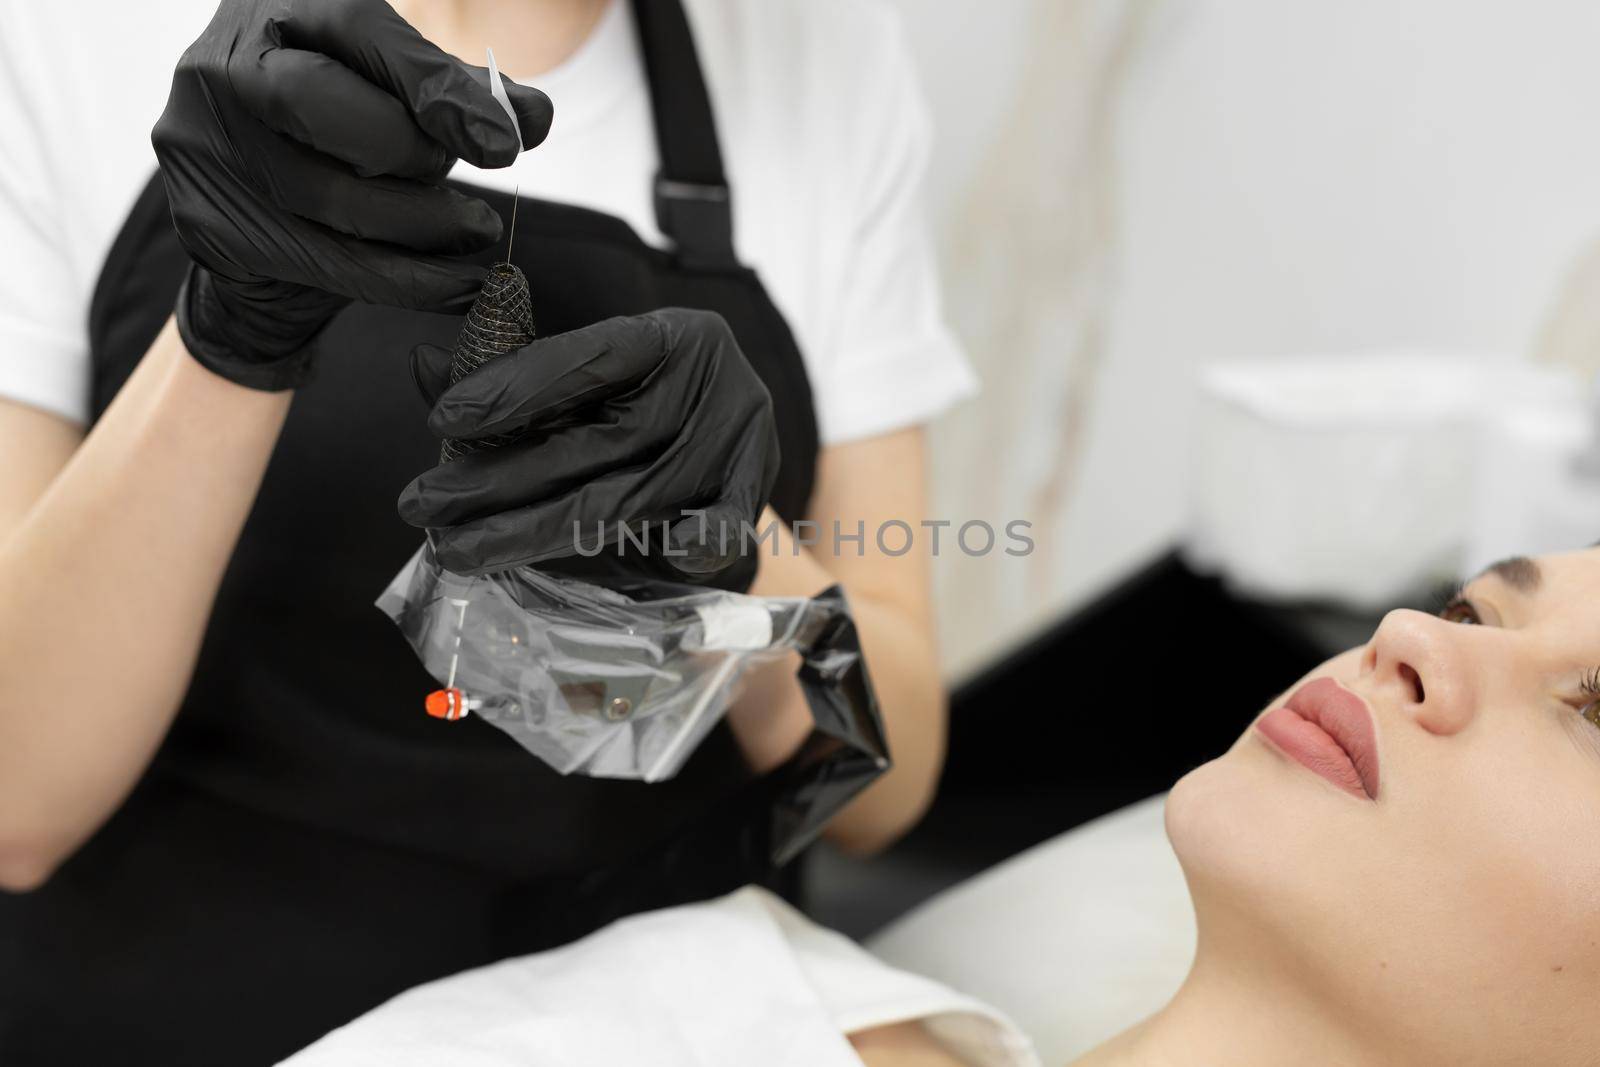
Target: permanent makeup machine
(599, 683)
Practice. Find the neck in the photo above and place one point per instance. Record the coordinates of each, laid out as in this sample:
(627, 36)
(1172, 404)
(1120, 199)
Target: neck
(1233, 1013)
(529, 37)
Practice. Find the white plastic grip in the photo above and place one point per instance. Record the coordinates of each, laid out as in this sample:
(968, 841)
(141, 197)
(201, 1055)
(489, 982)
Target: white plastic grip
(498, 88)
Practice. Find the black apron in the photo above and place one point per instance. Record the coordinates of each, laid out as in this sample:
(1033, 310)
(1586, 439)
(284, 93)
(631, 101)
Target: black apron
(308, 842)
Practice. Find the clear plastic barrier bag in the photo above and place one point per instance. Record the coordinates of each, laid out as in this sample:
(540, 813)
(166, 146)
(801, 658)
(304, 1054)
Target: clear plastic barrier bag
(594, 682)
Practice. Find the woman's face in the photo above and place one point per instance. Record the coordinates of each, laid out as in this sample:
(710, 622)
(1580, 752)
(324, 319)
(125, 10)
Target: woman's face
(1455, 913)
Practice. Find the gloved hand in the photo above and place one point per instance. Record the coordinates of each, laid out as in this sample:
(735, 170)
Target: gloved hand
(629, 420)
(301, 146)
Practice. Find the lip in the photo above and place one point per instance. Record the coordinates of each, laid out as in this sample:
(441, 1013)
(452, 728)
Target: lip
(1327, 729)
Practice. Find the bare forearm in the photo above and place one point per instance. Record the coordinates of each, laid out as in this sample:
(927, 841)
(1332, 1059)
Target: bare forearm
(772, 717)
(912, 698)
(105, 586)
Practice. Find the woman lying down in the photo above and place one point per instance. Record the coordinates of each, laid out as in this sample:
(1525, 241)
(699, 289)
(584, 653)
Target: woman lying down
(1398, 863)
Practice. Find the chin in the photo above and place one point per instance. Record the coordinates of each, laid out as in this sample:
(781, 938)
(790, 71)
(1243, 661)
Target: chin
(1211, 819)
(1220, 809)
(1290, 873)
(1258, 836)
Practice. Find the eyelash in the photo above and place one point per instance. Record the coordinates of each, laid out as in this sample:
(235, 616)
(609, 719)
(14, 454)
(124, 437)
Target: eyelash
(1453, 600)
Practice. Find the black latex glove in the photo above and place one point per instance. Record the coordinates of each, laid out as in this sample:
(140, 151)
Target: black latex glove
(301, 146)
(629, 420)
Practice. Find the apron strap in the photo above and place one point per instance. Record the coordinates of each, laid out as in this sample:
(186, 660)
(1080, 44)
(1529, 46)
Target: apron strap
(692, 199)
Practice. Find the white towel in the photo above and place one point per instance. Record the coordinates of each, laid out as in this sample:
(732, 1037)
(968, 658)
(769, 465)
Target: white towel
(737, 981)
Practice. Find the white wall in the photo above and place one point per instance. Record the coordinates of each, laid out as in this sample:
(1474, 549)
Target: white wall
(1258, 178)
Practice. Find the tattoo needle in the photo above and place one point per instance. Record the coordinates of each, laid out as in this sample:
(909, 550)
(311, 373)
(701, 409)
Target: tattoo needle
(516, 197)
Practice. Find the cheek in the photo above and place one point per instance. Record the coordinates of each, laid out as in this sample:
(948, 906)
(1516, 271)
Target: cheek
(1516, 818)
(1493, 859)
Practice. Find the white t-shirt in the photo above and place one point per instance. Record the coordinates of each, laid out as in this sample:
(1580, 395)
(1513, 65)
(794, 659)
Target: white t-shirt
(824, 135)
(734, 982)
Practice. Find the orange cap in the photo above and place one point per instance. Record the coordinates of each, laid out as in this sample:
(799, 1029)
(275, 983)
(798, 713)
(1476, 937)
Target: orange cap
(446, 704)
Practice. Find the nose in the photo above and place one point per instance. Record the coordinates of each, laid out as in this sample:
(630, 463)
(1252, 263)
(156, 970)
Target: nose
(1419, 665)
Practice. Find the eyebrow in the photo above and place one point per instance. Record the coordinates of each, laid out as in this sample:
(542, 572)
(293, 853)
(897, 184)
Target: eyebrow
(1519, 572)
